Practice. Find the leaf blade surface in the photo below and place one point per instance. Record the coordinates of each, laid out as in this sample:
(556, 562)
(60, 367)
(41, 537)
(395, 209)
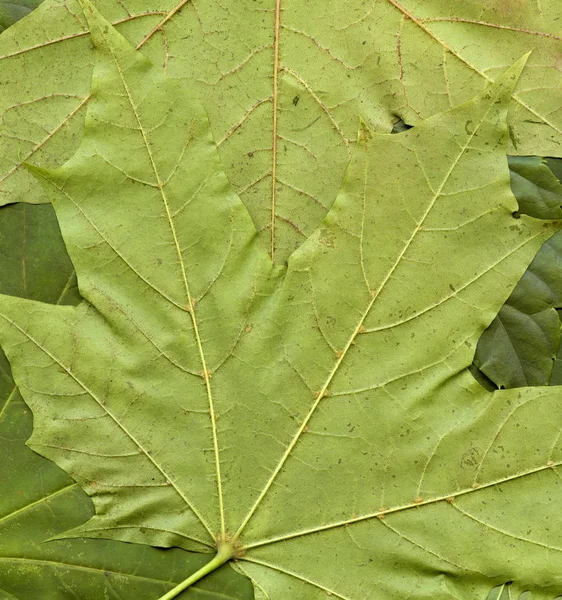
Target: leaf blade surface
(285, 86)
(39, 501)
(378, 467)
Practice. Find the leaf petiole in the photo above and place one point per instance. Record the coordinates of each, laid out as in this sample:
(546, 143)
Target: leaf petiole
(224, 554)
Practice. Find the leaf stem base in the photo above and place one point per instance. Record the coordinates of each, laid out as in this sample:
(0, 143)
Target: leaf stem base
(225, 552)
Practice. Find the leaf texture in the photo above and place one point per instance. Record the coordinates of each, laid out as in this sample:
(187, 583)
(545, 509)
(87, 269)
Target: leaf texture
(39, 501)
(284, 84)
(555, 165)
(556, 375)
(317, 422)
(520, 346)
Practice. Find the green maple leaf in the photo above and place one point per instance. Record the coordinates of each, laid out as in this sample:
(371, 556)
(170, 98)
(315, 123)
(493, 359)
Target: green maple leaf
(39, 501)
(316, 425)
(284, 83)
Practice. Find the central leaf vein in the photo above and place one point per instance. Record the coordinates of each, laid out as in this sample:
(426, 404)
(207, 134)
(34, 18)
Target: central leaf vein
(190, 303)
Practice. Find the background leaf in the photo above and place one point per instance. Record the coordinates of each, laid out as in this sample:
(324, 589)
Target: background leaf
(38, 499)
(334, 64)
(538, 191)
(14, 10)
(556, 376)
(555, 165)
(520, 346)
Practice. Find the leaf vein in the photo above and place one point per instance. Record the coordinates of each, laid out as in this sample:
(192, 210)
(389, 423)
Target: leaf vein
(206, 375)
(506, 533)
(296, 576)
(113, 418)
(374, 295)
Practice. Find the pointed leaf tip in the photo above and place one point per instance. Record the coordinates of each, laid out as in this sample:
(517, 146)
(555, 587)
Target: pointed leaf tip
(38, 172)
(99, 27)
(511, 76)
(89, 10)
(520, 63)
(364, 134)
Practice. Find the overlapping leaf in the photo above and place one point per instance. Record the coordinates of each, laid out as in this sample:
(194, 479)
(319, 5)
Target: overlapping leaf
(520, 346)
(284, 83)
(317, 425)
(538, 191)
(12, 11)
(38, 500)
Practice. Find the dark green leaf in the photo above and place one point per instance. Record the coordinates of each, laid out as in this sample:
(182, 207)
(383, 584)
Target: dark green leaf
(556, 376)
(520, 346)
(555, 165)
(538, 191)
(12, 11)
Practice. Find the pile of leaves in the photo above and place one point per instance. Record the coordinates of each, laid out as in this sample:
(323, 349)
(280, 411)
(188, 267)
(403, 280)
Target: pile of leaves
(255, 346)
